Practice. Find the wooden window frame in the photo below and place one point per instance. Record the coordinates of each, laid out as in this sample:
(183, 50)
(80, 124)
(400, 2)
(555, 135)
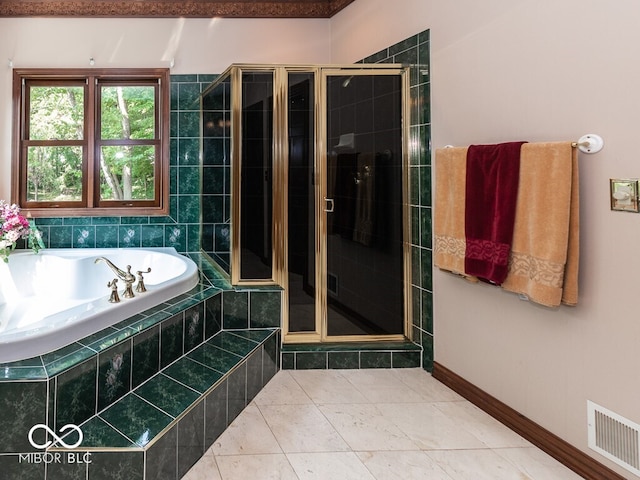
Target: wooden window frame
(92, 79)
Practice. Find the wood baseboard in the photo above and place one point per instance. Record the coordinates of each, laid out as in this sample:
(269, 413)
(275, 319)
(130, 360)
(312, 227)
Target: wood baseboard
(565, 453)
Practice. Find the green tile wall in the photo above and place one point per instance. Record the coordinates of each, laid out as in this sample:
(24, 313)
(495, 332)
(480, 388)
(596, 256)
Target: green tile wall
(351, 355)
(415, 51)
(216, 174)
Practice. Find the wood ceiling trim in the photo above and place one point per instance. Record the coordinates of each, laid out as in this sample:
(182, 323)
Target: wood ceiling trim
(172, 8)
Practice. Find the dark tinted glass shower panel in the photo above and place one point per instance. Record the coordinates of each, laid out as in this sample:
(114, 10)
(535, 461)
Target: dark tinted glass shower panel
(365, 267)
(301, 203)
(216, 159)
(256, 192)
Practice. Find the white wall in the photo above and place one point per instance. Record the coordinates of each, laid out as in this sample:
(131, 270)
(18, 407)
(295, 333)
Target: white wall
(537, 70)
(196, 46)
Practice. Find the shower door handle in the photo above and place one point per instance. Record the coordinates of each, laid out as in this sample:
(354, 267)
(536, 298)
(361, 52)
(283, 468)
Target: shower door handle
(329, 207)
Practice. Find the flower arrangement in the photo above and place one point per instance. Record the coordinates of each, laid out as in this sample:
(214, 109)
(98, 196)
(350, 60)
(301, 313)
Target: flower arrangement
(14, 226)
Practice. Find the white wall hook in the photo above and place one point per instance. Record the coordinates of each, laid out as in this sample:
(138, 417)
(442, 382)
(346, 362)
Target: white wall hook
(590, 143)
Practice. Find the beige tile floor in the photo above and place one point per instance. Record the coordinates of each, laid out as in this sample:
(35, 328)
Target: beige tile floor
(369, 424)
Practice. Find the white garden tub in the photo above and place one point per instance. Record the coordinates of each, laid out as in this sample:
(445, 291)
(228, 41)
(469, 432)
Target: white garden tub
(59, 296)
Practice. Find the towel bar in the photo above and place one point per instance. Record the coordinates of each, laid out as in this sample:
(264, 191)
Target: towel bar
(589, 143)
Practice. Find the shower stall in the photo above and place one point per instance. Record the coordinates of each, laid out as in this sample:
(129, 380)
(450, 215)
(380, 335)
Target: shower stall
(314, 188)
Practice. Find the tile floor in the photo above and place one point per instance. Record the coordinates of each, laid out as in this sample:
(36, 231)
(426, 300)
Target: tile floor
(369, 424)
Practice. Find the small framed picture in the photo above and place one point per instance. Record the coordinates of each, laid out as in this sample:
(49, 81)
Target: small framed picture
(624, 195)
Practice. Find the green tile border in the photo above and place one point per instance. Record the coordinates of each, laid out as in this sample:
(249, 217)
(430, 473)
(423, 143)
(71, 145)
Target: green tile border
(351, 355)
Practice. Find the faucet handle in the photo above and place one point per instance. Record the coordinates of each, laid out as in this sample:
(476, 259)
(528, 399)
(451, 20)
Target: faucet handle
(140, 287)
(113, 284)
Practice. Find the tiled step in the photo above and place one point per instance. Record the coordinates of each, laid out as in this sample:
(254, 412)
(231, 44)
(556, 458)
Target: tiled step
(162, 427)
(351, 355)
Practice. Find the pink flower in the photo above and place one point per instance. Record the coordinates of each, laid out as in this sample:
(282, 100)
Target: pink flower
(14, 227)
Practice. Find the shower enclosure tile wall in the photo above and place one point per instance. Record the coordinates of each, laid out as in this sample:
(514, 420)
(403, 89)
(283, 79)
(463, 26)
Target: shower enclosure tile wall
(415, 52)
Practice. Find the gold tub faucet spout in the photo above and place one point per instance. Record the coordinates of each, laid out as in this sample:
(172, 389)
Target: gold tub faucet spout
(127, 277)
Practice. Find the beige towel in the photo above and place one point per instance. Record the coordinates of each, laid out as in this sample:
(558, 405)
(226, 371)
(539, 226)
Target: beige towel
(545, 248)
(448, 211)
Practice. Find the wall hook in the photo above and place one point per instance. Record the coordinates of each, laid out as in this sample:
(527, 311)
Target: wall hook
(590, 143)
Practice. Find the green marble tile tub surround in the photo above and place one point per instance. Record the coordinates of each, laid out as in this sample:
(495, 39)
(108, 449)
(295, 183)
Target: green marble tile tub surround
(167, 394)
(161, 457)
(136, 419)
(195, 375)
(146, 351)
(22, 373)
(171, 339)
(265, 308)
(214, 357)
(79, 376)
(11, 467)
(237, 391)
(114, 373)
(191, 439)
(99, 434)
(112, 465)
(236, 311)
(271, 356)
(67, 471)
(216, 418)
(22, 405)
(179, 424)
(76, 392)
(106, 338)
(255, 374)
(230, 342)
(193, 327)
(257, 336)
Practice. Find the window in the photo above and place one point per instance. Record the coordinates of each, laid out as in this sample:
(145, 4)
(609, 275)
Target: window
(91, 142)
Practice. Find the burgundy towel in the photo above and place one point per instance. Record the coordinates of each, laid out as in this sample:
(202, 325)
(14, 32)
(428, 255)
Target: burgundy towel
(490, 209)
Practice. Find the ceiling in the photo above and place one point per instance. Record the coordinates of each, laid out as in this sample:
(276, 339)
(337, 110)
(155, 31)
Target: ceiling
(173, 8)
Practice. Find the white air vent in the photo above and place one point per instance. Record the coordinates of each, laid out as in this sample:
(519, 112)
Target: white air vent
(614, 436)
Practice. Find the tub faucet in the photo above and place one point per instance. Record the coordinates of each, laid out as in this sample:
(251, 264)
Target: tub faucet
(127, 277)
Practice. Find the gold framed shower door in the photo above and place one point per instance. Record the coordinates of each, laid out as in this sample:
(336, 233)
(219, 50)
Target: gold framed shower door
(279, 151)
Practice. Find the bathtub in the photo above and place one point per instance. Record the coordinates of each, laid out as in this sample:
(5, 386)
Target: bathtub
(59, 296)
